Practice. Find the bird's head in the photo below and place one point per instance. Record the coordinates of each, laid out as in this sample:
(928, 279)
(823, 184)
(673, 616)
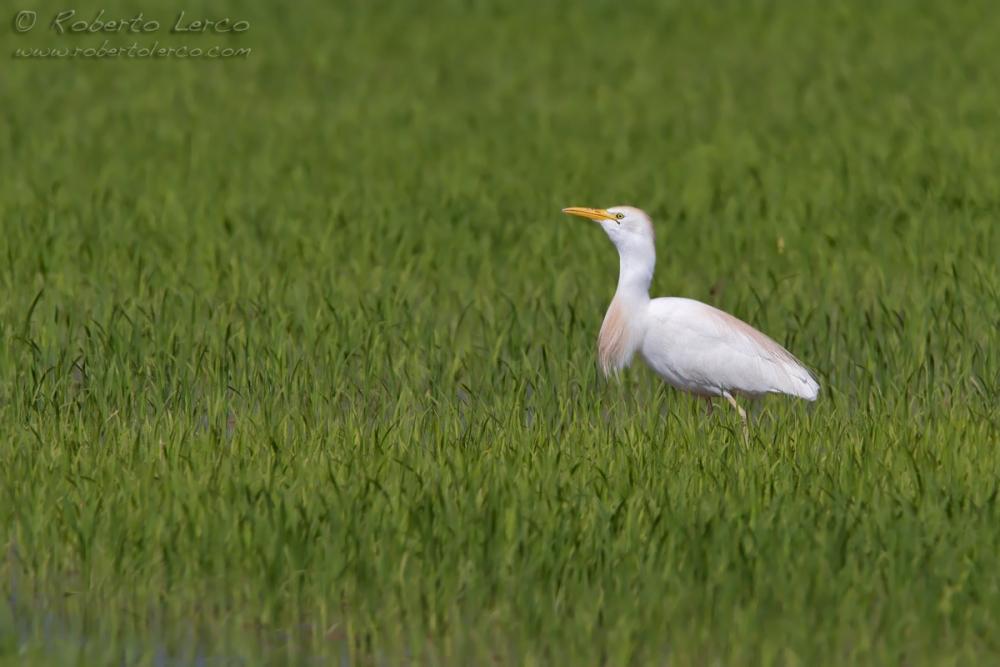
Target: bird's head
(629, 228)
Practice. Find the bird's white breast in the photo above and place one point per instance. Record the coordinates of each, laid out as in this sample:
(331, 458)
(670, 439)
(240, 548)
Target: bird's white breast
(621, 334)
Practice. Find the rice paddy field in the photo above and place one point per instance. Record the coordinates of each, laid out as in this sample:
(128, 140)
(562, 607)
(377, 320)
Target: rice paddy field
(297, 352)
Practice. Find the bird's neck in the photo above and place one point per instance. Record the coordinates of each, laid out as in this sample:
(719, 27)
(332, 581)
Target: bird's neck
(622, 329)
(635, 273)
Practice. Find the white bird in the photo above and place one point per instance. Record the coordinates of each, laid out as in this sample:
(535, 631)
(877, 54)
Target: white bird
(693, 346)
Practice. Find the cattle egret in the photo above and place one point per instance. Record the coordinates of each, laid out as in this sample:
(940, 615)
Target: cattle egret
(691, 345)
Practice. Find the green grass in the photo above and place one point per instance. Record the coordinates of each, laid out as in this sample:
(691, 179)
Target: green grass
(297, 353)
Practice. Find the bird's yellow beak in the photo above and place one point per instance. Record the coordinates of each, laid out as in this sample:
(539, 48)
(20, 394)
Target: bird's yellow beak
(590, 213)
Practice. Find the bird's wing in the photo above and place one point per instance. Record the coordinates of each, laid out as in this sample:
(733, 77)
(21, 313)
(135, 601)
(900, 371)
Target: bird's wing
(770, 366)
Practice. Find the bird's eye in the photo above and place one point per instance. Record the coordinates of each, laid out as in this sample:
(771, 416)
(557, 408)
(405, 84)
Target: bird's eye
(619, 216)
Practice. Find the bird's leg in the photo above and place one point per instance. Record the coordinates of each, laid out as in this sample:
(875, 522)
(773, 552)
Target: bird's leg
(708, 405)
(743, 414)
